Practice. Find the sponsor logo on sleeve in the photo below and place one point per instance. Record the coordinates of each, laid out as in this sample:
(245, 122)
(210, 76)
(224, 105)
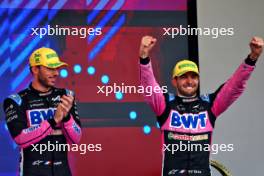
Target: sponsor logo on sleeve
(16, 98)
(76, 128)
(30, 129)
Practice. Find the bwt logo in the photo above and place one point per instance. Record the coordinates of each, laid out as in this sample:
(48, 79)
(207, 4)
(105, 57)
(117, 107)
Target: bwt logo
(36, 116)
(188, 121)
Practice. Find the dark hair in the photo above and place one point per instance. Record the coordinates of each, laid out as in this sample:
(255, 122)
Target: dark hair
(30, 68)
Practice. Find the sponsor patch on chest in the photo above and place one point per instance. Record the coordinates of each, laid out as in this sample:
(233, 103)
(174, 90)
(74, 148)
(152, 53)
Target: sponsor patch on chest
(36, 116)
(188, 120)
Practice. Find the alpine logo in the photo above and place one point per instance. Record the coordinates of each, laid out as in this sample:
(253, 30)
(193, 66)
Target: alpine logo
(36, 116)
(76, 128)
(56, 98)
(188, 121)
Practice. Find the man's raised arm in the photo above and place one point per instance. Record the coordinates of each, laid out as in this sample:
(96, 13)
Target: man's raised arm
(147, 79)
(235, 86)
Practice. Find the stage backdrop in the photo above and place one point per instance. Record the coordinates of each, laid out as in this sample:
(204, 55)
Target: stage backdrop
(122, 123)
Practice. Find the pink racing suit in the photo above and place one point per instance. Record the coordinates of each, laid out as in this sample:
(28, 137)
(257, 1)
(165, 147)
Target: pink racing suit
(187, 123)
(29, 117)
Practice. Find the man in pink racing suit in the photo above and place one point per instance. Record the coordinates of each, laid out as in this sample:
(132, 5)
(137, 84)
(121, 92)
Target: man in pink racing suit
(41, 117)
(187, 118)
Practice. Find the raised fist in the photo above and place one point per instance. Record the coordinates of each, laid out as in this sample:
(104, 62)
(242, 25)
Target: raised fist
(147, 42)
(256, 46)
